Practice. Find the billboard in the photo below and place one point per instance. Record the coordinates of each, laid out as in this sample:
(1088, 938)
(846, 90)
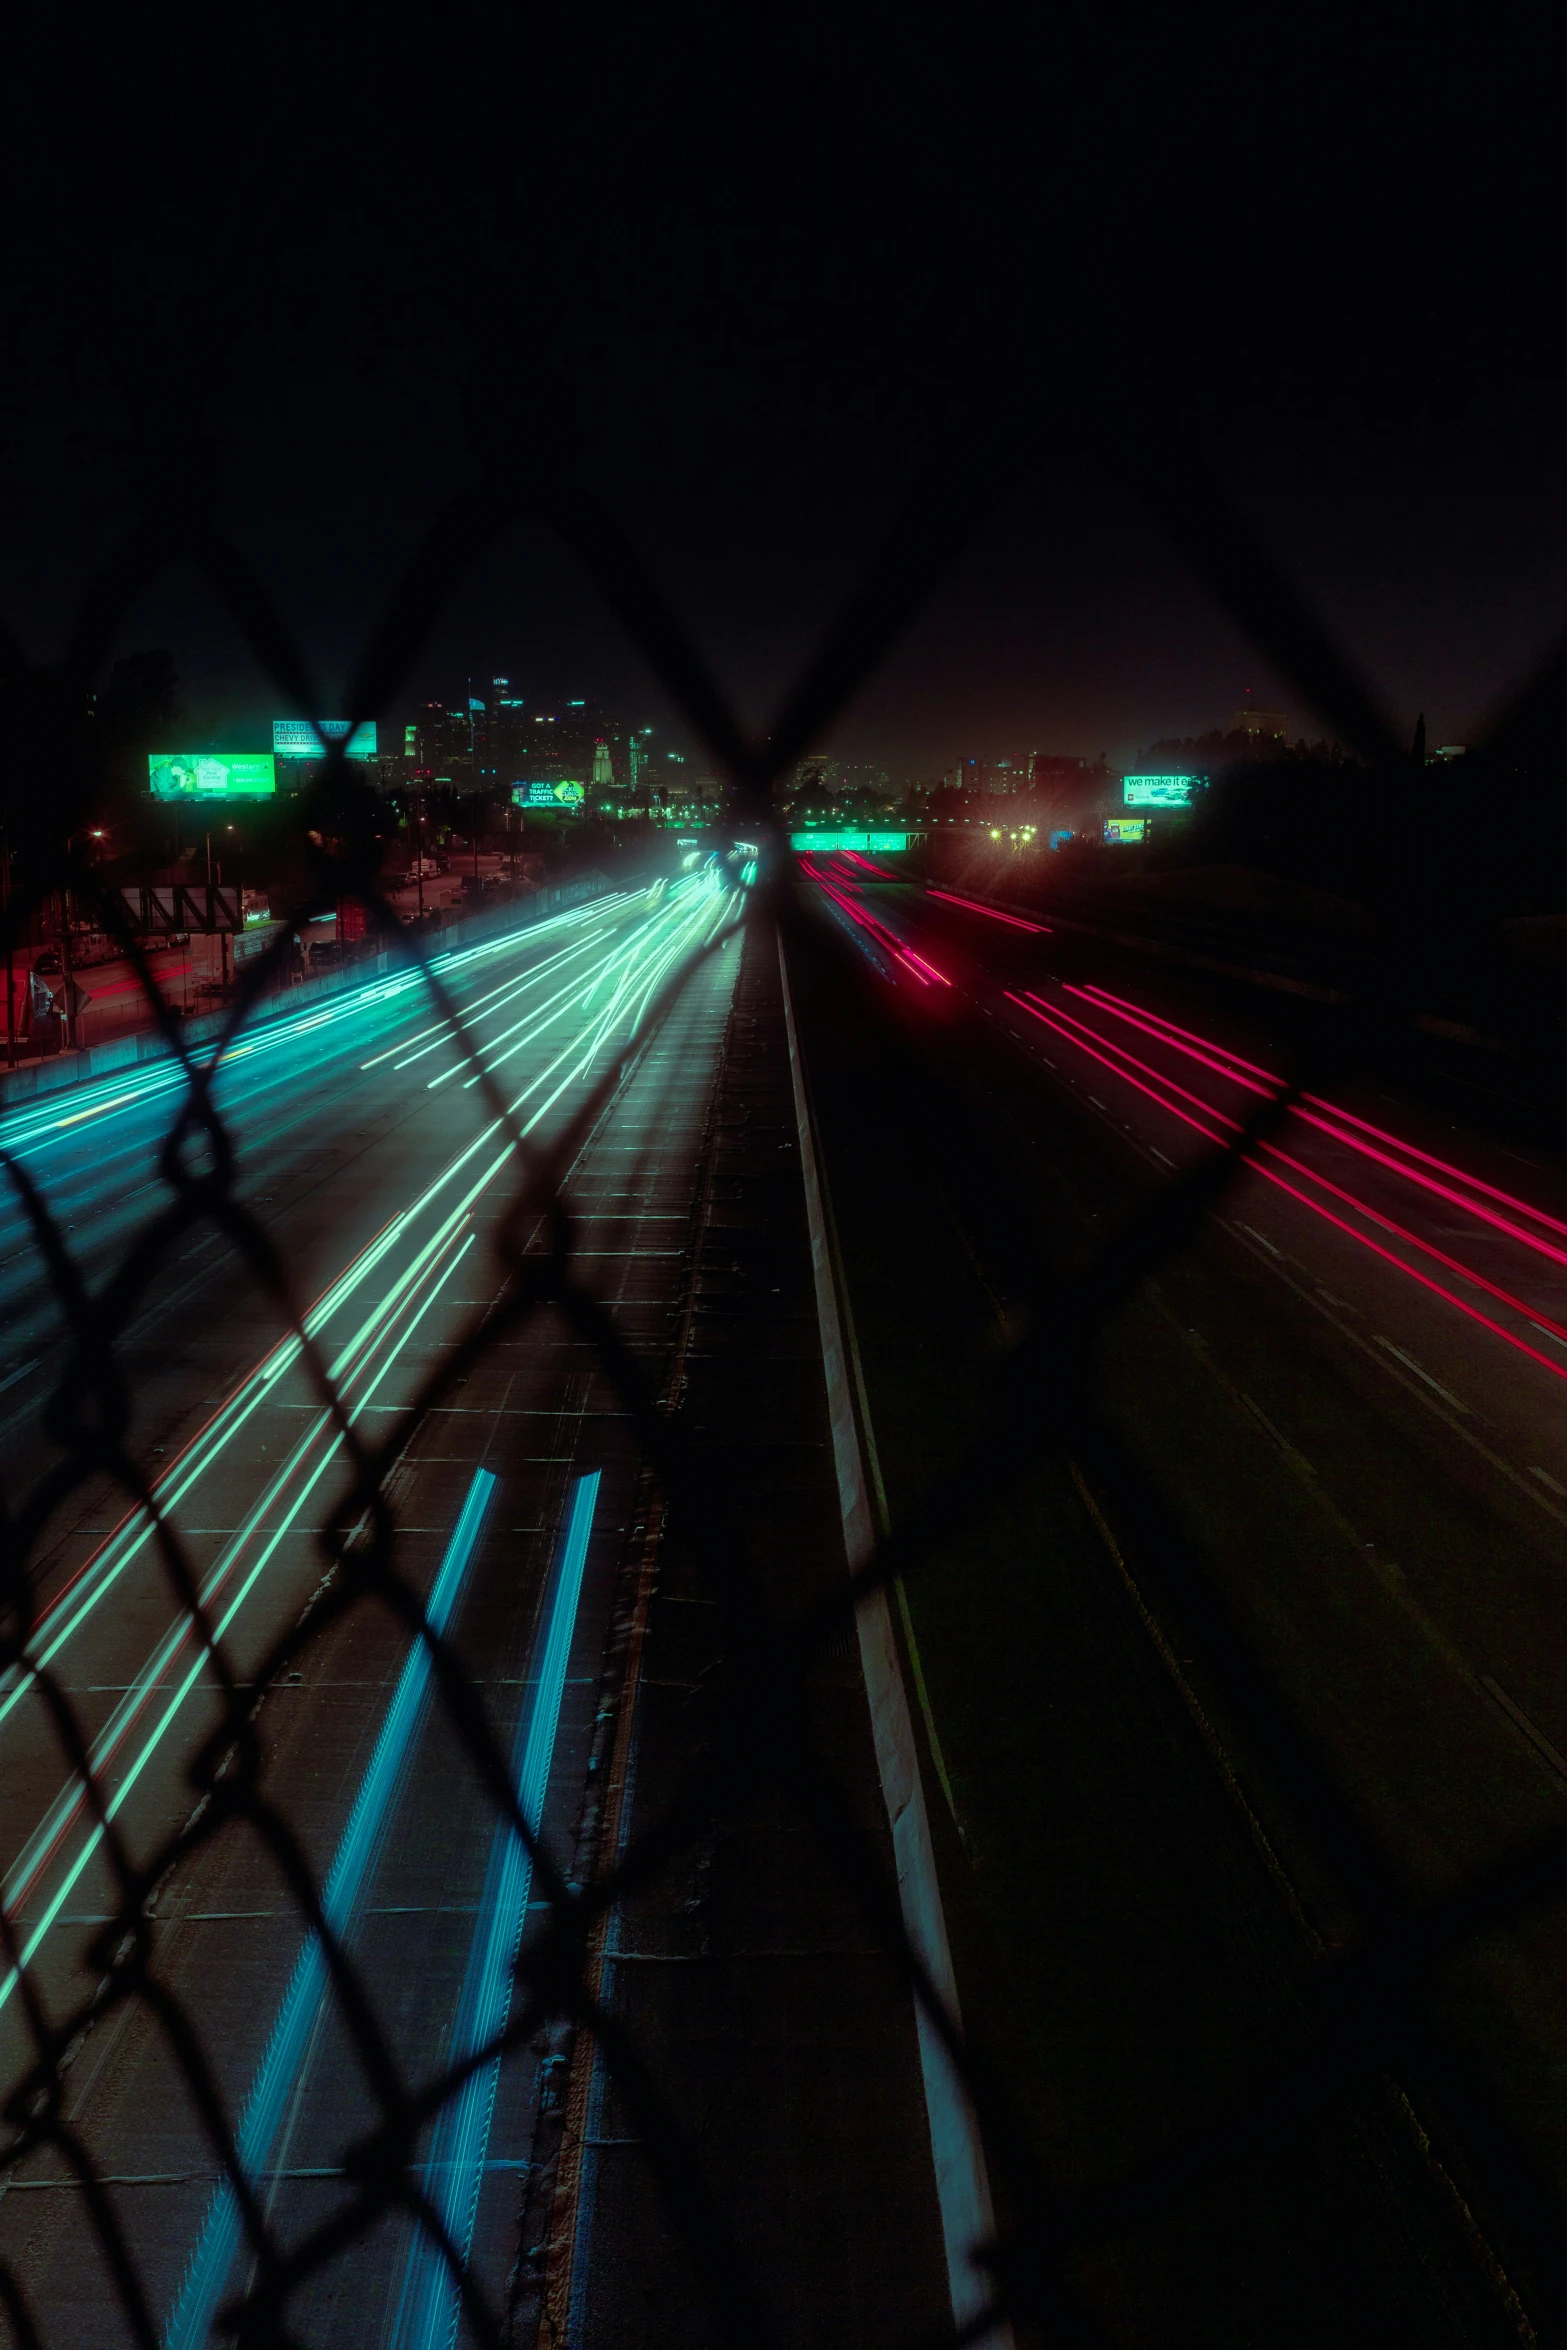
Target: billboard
(1124, 828)
(305, 738)
(1158, 791)
(548, 795)
(211, 775)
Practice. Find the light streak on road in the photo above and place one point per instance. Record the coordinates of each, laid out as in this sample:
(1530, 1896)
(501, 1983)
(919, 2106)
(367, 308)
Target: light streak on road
(972, 906)
(369, 1352)
(428, 2306)
(1335, 1125)
(70, 1606)
(926, 973)
(521, 1033)
(1122, 1063)
(37, 1125)
(664, 940)
(481, 1007)
(270, 2094)
(69, 1806)
(1324, 1183)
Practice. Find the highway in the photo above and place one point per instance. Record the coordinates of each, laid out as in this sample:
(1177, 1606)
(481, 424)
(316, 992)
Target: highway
(1344, 1397)
(379, 1171)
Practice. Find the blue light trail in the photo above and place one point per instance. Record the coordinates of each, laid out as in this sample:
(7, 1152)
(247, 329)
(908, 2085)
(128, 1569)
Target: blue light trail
(64, 1614)
(357, 1364)
(428, 2306)
(191, 2322)
(35, 1125)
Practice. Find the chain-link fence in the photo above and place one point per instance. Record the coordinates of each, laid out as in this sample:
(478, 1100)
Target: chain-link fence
(1366, 2011)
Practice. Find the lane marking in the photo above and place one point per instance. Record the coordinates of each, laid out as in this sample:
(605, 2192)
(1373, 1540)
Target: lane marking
(1409, 1363)
(1520, 1720)
(1291, 1452)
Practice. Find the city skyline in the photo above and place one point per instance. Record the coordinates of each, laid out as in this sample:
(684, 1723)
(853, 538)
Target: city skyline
(758, 387)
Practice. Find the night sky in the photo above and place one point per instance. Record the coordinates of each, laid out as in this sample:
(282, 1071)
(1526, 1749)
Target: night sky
(1340, 277)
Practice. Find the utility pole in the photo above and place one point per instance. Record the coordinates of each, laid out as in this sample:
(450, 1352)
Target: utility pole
(419, 858)
(67, 975)
(211, 909)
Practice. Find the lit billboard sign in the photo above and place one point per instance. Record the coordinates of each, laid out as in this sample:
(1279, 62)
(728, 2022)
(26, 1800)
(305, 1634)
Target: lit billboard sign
(1124, 828)
(1158, 791)
(548, 795)
(212, 775)
(304, 738)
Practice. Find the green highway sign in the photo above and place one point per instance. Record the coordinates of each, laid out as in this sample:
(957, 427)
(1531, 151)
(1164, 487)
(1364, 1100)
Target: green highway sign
(878, 843)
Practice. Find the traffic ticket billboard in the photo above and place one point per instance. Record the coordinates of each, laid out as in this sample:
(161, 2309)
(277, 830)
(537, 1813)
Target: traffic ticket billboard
(548, 795)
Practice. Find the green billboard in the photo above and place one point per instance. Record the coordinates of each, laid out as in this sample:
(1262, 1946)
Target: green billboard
(212, 775)
(548, 795)
(1158, 791)
(307, 738)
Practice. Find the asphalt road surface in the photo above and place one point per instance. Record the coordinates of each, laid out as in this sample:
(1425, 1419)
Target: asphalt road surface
(378, 1171)
(1341, 1396)
(1342, 1403)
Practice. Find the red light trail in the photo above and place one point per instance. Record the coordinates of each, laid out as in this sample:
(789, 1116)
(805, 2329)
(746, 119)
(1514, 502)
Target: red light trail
(925, 972)
(1336, 1124)
(972, 906)
(1159, 1089)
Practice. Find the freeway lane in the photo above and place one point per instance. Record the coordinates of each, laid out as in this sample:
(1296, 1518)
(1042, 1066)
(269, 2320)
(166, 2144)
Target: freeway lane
(394, 1243)
(1436, 1250)
(1347, 1391)
(93, 1150)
